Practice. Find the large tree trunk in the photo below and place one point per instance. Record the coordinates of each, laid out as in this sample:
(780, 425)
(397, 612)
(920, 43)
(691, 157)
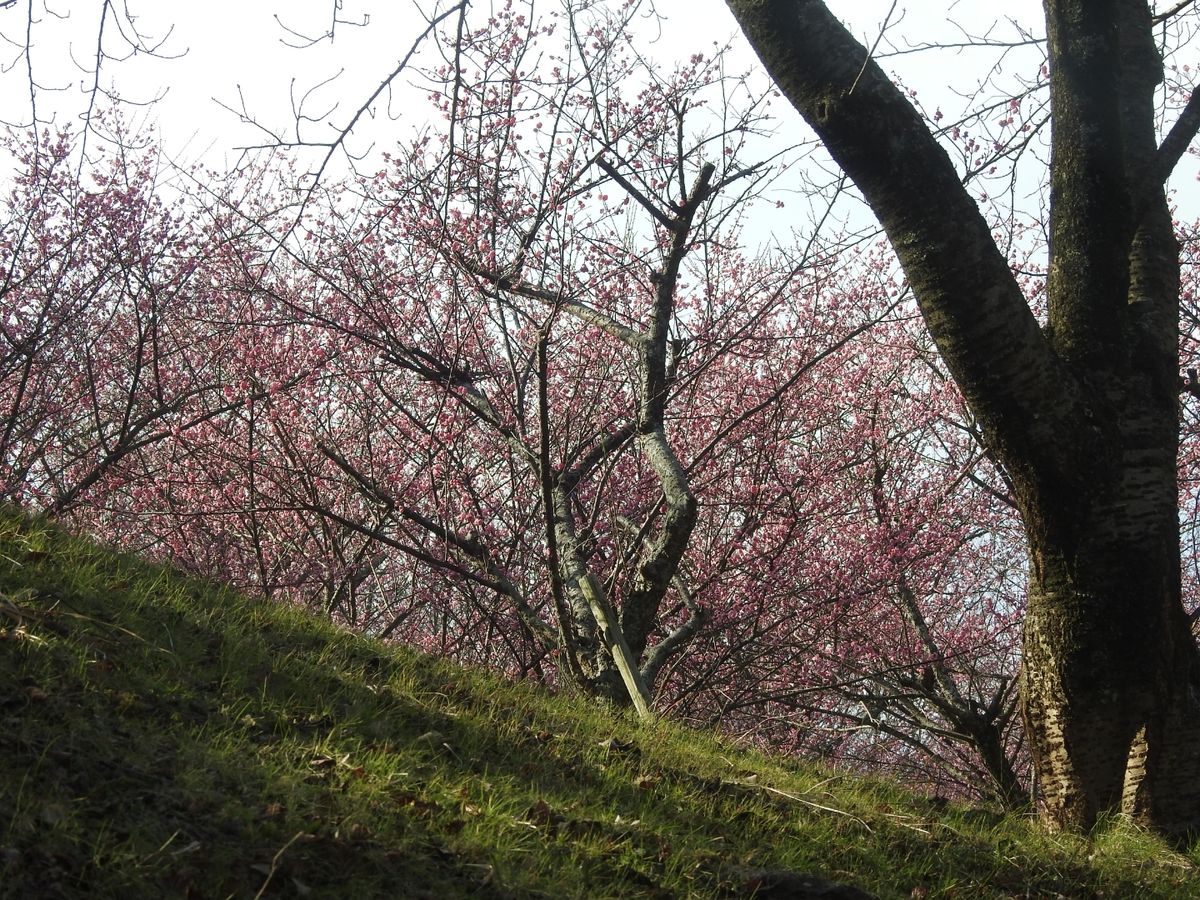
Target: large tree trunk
(1111, 674)
(1083, 414)
(1111, 670)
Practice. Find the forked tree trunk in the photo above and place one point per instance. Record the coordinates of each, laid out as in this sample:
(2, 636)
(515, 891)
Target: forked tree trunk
(603, 647)
(1083, 413)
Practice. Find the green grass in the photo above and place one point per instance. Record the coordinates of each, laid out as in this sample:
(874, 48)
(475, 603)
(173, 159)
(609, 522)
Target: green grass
(165, 737)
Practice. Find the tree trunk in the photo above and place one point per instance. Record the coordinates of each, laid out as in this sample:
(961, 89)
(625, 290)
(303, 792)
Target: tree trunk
(1083, 414)
(1111, 674)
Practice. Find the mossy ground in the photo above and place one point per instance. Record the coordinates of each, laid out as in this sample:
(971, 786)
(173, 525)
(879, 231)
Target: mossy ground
(165, 737)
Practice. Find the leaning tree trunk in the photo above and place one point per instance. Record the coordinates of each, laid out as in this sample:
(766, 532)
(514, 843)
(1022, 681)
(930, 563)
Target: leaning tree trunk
(1083, 412)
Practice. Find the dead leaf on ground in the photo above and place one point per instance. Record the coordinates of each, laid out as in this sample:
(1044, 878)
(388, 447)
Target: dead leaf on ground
(322, 761)
(615, 745)
(540, 813)
(416, 803)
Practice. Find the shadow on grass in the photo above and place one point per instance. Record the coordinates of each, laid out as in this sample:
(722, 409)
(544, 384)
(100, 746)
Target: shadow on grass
(164, 737)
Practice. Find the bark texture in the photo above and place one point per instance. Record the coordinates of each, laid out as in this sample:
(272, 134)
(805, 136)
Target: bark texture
(1083, 414)
(604, 646)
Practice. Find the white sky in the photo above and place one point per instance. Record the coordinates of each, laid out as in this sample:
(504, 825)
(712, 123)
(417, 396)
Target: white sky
(235, 48)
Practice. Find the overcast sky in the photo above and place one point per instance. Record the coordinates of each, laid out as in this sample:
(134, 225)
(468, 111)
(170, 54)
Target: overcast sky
(223, 53)
(230, 50)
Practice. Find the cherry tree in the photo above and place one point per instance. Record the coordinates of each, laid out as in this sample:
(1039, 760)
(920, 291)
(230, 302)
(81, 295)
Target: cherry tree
(532, 311)
(1082, 410)
(105, 349)
(861, 574)
(525, 398)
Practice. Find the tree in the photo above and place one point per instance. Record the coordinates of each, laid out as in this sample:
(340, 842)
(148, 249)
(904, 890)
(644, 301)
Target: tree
(355, 414)
(105, 345)
(546, 232)
(867, 581)
(439, 403)
(1082, 411)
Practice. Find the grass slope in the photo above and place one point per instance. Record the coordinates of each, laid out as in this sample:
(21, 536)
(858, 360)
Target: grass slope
(162, 737)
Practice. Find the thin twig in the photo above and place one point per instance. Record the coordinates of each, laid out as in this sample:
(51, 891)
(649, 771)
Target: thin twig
(871, 53)
(797, 799)
(275, 863)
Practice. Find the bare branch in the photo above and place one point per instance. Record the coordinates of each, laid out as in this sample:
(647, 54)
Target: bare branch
(1173, 11)
(1177, 141)
(662, 218)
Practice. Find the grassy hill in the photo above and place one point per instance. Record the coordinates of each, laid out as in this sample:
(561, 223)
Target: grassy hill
(163, 737)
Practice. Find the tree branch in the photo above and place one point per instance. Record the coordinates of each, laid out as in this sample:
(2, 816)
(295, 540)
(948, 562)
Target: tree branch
(1177, 141)
(1018, 389)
